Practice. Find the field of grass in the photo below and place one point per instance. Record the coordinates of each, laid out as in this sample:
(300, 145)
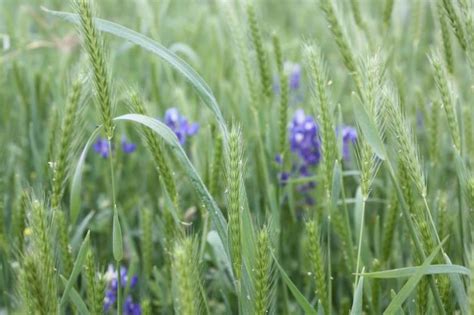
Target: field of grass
(236, 157)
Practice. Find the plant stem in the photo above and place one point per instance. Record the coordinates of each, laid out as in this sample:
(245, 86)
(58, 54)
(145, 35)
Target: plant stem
(117, 268)
(361, 232)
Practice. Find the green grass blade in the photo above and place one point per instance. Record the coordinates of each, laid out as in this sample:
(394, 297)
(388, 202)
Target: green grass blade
(76, 182)
(370, 131)
(76, 270)
(411, 284)
(458, 288)
(76, 299)
(81, 228)
(358, 296)
(117, 239)
(164, 53)
(170, 138)
(302, 301)
(410, 271)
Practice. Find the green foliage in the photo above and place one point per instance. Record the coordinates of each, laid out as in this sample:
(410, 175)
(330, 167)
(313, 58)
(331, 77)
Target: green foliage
(233, 220)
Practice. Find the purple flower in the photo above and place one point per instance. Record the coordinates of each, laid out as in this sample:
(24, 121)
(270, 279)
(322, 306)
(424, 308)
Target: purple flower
(349, 136)
(305, 143)
(130, 308)
(111, 276)
(304, 138)
(102, 147)
(128, 147)
(284, 176)
(180, 125)
(293, 71)
(279, 159)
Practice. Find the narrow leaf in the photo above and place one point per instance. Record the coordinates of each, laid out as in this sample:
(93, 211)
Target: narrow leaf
(410, 271)
(117, 240)
(77, 180)
(411, 284)
(358, 295)
(75, 270)
(76, 299)
(370, 131)
(302, 301)
(164, 53)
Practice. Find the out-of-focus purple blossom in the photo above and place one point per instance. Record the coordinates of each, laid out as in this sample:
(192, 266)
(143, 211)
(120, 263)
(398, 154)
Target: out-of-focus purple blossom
(284, 176)
(293, 71)
(349, 136)
(130, 308)
(279, 159)
(180, 125)
(101, 146)
(110, 299)
(304, 139)
(128, 147)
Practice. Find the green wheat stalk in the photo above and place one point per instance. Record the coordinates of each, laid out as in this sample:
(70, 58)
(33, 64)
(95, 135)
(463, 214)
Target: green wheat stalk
(447, 48)
(342, 42)
(447, 102)
(262, 59)
(315, 254)
(262, 273)
(284, 91)
(63, 240)
(157, 153)
(95, 49)
(69, 125)
(186, 278)
(234, 204)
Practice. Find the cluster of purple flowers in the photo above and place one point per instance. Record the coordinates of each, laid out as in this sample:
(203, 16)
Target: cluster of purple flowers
(101, 146)
(173, 119)
(110, 299)
(304, 138)
(305, 143)
(180, 125)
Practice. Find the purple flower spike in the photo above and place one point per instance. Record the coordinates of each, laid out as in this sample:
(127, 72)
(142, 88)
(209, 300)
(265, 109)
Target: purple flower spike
(130, 308)
(349, 136)
(128, 147)
(180, 125)
(102, 147)
(304, 138)
(293, 71)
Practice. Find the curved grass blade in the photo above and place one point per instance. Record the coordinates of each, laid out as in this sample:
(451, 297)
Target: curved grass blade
(77, 180)
(170, 138)
(410, 271)
(459, 291)
(76, 270)
(214, 240)
(370, 131)
(302, 301)
(411, 284)
(76, 239)
(76, 299)
(164, 53)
